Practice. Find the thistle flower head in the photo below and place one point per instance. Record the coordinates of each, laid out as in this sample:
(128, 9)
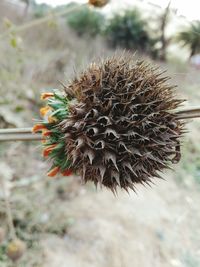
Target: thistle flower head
(115, 125)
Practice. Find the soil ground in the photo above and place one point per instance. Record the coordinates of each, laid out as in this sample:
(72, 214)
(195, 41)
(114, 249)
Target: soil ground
(64, 223)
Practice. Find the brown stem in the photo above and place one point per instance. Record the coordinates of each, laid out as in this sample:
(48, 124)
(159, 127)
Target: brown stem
(15, 130)
(25, 134)
(39, 21)
(19, 134)
(8, 211)
(20, 137)
(189, 113)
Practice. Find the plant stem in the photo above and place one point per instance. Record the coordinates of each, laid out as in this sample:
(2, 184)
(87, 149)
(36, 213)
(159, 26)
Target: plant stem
(20, 137)
(36, 22)
(15, 130)
(8, 211)
(19, 134)
(189, 113)
(25, 134)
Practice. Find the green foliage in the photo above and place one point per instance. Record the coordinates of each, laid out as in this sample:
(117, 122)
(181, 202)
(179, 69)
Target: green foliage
(59, 105)
(25, 1)
(3, 256)
(86, 21)
(190, 37)
(128, 30)
(40, 10)
(13, 42)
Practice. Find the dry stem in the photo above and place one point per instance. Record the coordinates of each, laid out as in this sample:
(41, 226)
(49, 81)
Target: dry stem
(8, 211)
(25, 134)
(189, 113)
(36, 22)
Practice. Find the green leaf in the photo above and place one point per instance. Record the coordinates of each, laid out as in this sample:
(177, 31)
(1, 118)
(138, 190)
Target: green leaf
(13, 42)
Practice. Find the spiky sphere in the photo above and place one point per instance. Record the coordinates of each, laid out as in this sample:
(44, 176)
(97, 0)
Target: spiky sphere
(98, 3)
(121, 127)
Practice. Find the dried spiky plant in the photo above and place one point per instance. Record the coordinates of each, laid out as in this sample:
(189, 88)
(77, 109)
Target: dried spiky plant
(115, 125)
(98, 3)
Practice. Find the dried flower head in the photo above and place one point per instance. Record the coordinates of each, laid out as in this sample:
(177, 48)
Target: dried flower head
(115, 125)
(16, 249)
(98, 3)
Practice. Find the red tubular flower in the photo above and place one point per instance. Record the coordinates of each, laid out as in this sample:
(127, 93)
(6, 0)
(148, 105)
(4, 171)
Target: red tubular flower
(53, 171)
(46, 95)
(46, 133)
(44, 110)
(38, 128)
(67, 172)
(48, 150)
(51, 119)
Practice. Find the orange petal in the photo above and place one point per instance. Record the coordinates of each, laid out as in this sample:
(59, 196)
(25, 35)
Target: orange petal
(46, 133)
(51, 119)
(48, 150)
(46, 95)
(44, 110)
(67, 172)
(38, 127)
(53, 171)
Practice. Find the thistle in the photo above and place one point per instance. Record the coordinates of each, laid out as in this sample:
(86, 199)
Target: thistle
(114, 125)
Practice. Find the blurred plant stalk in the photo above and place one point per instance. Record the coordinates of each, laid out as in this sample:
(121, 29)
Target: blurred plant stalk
(26, 134)
(189, 113)
(19, 134)
(32, 23)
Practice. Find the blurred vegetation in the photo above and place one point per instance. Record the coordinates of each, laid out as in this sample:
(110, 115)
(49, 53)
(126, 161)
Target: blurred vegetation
(86, 21)
(159, 36)
(128, 30)
(41, 10)
(190, 37)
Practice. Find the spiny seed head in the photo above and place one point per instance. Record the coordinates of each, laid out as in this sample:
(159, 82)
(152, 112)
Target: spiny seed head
(118, 126)
(98, 3)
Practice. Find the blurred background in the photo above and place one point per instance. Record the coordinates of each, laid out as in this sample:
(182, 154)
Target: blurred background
(60, 221)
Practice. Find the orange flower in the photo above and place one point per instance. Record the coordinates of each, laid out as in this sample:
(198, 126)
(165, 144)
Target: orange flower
(38, 127)
(67, 172)
(44, 110)
(53, 171)
(46, 95)
(48, 150)
(46, 133)
(51, 119)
